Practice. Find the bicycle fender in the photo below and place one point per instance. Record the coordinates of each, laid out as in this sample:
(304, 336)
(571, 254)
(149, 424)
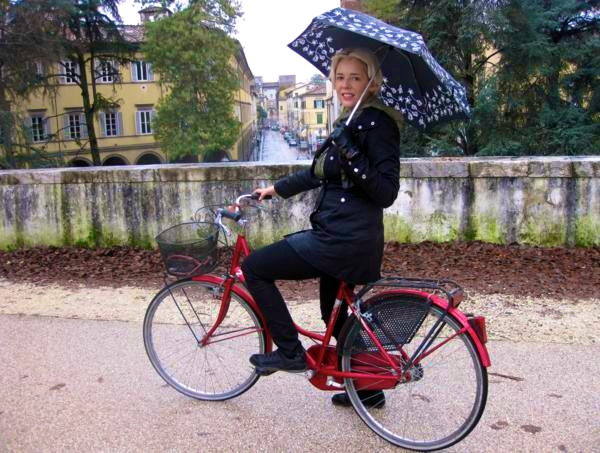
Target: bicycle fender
(242, 293)
(455, 312)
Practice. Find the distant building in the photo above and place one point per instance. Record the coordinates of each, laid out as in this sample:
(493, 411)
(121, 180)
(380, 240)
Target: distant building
(305, 109)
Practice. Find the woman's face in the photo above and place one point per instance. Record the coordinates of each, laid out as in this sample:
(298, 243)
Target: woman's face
(350, 80)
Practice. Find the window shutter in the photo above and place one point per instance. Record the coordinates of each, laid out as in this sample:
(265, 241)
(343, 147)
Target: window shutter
(63, 70)
(150, 73)
(66, 129)
(119, 123)
(133, 72)
(102, 124)
(117, 71)
(84, 131)
(152, 115)
(138, 128)
(28, 126)
(47, 128)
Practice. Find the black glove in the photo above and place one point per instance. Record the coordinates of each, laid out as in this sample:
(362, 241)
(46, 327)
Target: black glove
(342, 138)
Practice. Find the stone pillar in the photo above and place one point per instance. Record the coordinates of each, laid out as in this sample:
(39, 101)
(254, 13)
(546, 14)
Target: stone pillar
(351, 4)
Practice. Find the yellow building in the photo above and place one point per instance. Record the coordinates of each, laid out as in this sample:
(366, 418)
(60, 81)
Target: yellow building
(125, 136)
(314, 121)
(306, 110)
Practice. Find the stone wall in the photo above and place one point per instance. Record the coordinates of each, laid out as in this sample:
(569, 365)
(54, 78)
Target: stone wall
(541, 201)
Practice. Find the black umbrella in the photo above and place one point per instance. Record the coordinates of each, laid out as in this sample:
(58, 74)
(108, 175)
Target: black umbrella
(413, 82)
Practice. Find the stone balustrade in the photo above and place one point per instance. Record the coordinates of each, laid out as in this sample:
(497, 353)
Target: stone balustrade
(540, 201)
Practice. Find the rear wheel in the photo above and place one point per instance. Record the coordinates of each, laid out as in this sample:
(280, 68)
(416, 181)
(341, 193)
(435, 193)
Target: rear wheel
(176, 322)
(445, 395)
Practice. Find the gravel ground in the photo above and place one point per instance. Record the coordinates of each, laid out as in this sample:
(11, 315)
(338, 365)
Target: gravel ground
(544, 320)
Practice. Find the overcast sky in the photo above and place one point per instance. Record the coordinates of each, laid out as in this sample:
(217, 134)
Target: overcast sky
(265, 29)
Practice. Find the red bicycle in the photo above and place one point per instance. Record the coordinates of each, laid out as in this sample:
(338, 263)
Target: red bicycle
(405, 336)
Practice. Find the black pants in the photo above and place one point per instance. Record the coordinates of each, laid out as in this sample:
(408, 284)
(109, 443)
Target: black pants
(279, 261)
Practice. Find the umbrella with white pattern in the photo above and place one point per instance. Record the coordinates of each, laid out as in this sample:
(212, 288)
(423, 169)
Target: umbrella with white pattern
(414, 83)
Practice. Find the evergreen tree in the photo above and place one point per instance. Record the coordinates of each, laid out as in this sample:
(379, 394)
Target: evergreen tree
(27, 50)
(192, 52)
(458, 34)
(547, 85)
(79, 31)
(531, 69)
(94, 41)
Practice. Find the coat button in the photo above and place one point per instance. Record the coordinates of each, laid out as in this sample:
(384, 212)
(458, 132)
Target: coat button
(343, 200)
(356, 170)
(330, 157)
(364, 176)
(360, 126)
(372, 123)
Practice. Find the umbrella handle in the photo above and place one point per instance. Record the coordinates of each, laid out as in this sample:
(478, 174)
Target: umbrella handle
(355, 108)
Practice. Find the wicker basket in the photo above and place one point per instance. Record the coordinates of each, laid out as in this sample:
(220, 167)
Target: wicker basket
(189, 249)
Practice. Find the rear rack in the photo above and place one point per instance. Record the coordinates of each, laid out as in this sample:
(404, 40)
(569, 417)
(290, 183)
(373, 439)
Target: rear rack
(452, 290)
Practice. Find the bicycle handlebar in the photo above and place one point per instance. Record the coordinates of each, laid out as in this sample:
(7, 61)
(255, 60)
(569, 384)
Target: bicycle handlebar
(236, 215)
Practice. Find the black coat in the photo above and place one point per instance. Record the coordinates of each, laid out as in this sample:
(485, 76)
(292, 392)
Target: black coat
(346, 240)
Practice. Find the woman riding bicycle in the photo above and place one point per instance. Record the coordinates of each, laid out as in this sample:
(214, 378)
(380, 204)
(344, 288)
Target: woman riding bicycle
(357, 171)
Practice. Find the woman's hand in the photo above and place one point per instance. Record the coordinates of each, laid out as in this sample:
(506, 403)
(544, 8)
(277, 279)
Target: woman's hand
(265, 193)
(342, 138)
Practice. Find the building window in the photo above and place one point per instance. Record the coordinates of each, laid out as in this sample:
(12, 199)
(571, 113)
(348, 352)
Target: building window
(141, 71)
(71, 71)
(106, 71)
(37, 128)
(111, 124)
(303, 105)
(38, 125)
(319, 104)
(74, 126)
(319, 118)
(143, 120)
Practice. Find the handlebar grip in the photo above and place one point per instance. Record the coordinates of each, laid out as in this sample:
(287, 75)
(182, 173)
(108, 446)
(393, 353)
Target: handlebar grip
(231, 215)
(256, 196)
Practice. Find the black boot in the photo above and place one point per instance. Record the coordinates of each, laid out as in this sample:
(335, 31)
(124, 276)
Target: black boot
(370, 398)
(277, 361)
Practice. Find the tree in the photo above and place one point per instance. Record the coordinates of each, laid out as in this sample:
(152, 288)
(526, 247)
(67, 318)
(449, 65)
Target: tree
(94, 41)
(531, 70)
(318, 79)
(547, 86)
(27, 49)
(83, 38)
(192, 52)
(458, 35)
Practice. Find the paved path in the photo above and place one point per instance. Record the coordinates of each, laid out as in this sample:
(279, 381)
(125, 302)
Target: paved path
(86, 385)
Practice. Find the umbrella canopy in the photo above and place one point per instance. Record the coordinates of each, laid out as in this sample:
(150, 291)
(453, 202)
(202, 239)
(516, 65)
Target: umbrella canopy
(413, 82)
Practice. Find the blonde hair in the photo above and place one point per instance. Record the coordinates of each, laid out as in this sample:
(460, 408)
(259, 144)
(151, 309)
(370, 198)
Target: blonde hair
(368, 59)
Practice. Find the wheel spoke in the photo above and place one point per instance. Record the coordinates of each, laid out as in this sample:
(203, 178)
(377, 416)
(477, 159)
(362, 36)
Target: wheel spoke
(445, 397)
(216, 370)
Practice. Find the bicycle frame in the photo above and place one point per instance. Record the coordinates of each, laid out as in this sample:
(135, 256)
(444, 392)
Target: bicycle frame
(322, 373)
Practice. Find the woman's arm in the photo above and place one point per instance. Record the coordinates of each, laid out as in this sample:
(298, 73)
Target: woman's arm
(296, 183)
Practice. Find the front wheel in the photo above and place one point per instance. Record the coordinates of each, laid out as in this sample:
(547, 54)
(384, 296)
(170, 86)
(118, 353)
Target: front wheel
(441, 398)
(175, 336)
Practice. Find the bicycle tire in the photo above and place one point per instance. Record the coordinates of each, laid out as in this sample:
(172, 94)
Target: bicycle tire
(447, 397)
(217, 371)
